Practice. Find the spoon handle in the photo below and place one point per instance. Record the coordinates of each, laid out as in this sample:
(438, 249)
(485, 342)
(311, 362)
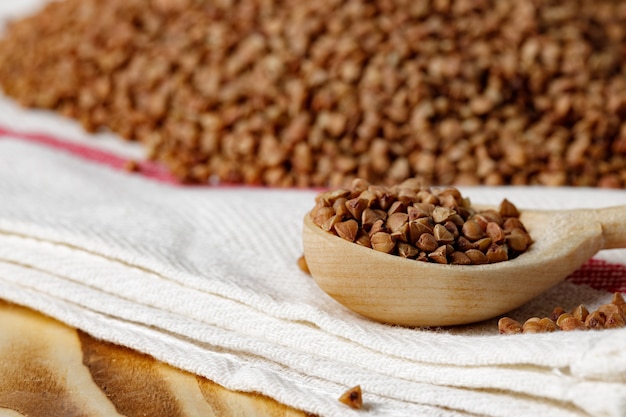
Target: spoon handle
(613, 221)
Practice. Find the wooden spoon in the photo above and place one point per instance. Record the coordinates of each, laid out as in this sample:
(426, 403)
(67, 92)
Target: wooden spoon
(395, 290)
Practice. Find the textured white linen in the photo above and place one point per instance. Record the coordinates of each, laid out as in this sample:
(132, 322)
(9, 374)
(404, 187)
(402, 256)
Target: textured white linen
(206, 280)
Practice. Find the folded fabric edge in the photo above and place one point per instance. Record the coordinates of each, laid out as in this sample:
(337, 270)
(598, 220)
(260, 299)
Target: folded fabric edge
(419, 346)
(145, 318)
(311, 396)
(415, 348)
(164, 347)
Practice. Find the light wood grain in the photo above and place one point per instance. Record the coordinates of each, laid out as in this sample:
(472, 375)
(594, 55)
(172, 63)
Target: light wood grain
(50, 369)
(400, 291)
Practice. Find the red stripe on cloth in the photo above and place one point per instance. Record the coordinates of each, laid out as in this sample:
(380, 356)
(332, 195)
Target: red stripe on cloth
(601, 275)
(145, 168)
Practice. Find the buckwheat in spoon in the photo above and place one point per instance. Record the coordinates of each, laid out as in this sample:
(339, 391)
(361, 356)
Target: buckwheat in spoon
(415, 256)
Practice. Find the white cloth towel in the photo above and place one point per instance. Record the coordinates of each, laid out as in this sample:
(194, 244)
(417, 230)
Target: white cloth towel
(206, 279)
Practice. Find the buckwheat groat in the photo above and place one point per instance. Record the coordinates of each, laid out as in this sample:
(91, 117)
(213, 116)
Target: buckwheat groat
(317, 93)
(606, 316)
(417, 222)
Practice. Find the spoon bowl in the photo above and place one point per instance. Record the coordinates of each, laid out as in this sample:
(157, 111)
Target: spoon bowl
(400, 291)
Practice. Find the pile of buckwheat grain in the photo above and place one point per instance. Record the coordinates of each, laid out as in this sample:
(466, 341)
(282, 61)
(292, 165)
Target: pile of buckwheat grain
(417, 222)
(316, 93)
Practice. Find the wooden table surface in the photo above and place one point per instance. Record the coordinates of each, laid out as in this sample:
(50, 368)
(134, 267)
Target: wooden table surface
(50, 369)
